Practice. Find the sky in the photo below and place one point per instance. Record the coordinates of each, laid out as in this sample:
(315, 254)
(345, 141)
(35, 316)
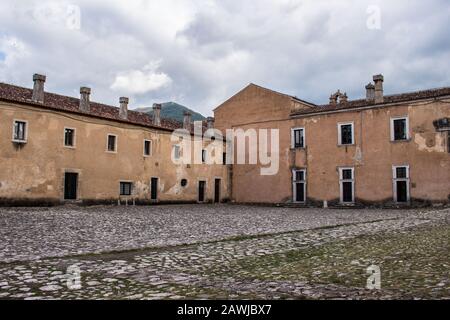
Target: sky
(200, 53)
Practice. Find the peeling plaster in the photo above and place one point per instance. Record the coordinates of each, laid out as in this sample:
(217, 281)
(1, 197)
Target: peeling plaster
(425, 144)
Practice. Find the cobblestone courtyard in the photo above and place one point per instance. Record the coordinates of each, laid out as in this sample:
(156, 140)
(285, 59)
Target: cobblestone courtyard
(225, 251)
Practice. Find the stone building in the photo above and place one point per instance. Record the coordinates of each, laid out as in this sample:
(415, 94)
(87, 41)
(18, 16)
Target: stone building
(383, 149)
(55, 149)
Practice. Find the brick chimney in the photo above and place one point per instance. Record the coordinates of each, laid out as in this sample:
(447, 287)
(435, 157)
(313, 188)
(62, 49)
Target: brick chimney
(210, 122)
(157, 114)
(123, 112)
(370, 92)
(343, 98)
(38, 88)
(187, 120)
(84, 99)
(378, 79)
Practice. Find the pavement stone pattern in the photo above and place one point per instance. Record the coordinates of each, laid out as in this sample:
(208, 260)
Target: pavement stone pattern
(142, 252)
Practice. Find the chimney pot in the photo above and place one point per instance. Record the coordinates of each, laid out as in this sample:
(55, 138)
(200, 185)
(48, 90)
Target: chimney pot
(187, 120)
(123, 112)
(84, 99)
(210, 122)
(378, 79)
(38, 88)
(157, 114)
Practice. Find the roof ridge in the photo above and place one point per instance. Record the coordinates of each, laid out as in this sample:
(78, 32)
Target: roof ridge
(67, 103)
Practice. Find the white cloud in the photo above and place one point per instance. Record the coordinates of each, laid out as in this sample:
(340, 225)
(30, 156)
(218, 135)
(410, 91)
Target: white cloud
(209, 49)
(141, 81)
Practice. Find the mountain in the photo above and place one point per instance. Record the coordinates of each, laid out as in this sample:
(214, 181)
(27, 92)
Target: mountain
(172, 110)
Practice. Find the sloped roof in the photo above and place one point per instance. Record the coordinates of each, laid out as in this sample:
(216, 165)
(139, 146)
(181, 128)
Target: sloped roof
(310, 104)
(58, 102)
(388, 99)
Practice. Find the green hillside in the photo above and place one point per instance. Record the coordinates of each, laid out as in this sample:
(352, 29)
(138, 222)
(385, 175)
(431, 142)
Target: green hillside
(172, 110)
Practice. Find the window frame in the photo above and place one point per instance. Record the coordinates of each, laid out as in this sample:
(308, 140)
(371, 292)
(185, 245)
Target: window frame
(25, 140)
(150, 148)
(392, 128)
(204, 156)
(294, 184)
(293, 146)
(74, 139)
(339, 127)
(120, 188)
(115, 143)
(176, 156)
(342, 180)
(407, 179)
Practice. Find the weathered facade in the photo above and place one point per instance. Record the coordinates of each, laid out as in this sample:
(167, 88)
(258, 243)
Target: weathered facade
(55, 149)
(382, 150)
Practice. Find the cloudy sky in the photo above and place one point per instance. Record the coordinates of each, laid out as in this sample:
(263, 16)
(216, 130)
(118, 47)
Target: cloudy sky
(199, 53)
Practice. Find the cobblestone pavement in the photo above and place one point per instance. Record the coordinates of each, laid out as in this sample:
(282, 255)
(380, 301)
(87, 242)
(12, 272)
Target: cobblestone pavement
(33, 233)
(38, 258)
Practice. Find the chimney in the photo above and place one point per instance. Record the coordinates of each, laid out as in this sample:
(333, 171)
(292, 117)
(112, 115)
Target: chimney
(378, 79)
(370, 92)
(343, 98)
(123, 112)
(187, 120)
(210, 122)
(157, 114)
(84, 99)
(334, 97)
(38, 88)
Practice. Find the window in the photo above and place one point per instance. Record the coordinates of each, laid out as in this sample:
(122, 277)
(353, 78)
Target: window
(399, 129)
(176, 152)
(112, 143)
(203, 156)
(69, 137)
(224, 158)
(125, 188)
(184, 182)
(298, 138)
(20, 131)
(299, 185)
(347, 185)
(400, 181)
(147, 148)
(345, 133)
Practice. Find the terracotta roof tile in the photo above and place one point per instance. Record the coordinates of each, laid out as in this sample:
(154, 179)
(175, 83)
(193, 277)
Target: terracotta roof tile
(58, 102)
(404, 97)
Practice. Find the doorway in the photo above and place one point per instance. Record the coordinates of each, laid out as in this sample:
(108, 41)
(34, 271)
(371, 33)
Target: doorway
(201, 191)
(401, 183)
(299, 185)
(70, 185)
(217, 191)
(347, 185)
(154, 189)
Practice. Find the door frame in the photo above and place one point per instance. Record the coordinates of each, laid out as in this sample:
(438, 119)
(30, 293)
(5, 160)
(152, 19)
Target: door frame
(341, 181)
(220, 190)
(204, 191)
(151, 189)
(76, 174)
(79, 184)
(394, 183)
(294, 185)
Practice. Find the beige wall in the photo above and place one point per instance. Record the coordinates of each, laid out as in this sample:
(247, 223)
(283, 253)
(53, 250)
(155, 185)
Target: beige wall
(36, 170)
(372, 156)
